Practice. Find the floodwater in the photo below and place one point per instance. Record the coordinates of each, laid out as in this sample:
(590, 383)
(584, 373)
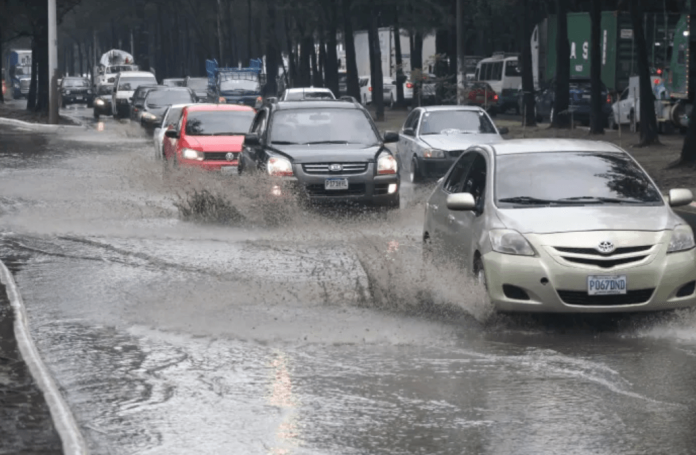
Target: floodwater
(286, 331)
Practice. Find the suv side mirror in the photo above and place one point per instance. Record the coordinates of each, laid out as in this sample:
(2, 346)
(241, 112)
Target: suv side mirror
(172, 134)
(390, 137)
(504, 130)
(409, 132)
(252, 139)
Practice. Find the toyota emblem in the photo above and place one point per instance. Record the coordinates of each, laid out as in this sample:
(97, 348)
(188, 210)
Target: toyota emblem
(606, 247)
(335, 167)
(229, 157)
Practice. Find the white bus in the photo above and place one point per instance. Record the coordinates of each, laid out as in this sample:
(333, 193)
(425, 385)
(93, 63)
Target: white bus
(502, 73)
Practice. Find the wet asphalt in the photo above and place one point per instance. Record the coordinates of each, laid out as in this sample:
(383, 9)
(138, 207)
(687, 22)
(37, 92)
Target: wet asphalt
(287, 331)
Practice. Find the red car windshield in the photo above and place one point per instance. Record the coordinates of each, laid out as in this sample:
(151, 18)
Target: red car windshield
(218, 123)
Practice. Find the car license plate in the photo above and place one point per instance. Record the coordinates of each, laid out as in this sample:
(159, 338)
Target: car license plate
(336, 184)
(606, 285)
(78, 97)
(229, 170)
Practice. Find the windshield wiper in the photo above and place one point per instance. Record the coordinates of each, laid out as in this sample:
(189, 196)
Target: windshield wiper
(327, 142)
(284, 143)
(227, 134)
(599, 200)
(528, 200)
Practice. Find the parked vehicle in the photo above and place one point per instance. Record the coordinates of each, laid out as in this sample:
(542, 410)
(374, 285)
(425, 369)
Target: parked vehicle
(323, 151)
(388, 91)
(170, 121)
(158, 100)
(199, 85)
(627, 107)
(75, 90)
(210, 137)
(563, 226)
(428, 93)
(307, 94)
(18, 72)
(432, 138)
(110, 64)
(235, 85)
(178, 82)
(138, 101)
(503, 75)
(125, 85)
(579, 107)
(102, 100)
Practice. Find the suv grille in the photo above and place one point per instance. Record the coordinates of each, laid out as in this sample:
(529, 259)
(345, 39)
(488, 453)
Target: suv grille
(582, 298)
(604, 263)
(593, 252)
(219, 156)
(323, 168)
(354, 189)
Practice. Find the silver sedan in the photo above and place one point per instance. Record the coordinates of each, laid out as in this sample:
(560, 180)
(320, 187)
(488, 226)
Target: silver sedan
(170, 120)
(563, 226)
(432, 138)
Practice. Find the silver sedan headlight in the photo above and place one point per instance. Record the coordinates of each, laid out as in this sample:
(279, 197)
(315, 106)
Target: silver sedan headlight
(434, 153)
(682, 239)
(507, 241)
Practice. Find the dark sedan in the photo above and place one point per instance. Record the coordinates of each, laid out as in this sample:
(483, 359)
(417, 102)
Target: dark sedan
(199, 85)
(102, 101)
(325, 151)
(579, 107)
(76, 90)
(158, 100)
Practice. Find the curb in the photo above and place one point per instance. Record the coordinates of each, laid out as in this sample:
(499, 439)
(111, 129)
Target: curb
(36, 126)
(73, 442)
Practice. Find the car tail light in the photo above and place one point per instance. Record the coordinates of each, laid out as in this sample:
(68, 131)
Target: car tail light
(409, 85)
(608, 98)
(369, 89)
(495, 97)
(656, 81)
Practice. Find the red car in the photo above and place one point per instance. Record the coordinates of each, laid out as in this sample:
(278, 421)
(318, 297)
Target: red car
(481, 94)
(209, 137)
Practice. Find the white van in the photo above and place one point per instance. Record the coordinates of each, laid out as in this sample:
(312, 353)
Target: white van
(502, 73)
(124, 87)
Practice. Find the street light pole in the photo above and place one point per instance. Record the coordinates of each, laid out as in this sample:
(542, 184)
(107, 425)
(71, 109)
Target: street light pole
(52, 64)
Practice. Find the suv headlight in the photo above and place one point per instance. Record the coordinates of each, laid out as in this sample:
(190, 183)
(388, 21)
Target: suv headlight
(433, 153)
(190, 154)
(386, 164)
(67, 92)
(99, 102)
(279, 167)
(148, 116)
(507, 241)
(682, 239)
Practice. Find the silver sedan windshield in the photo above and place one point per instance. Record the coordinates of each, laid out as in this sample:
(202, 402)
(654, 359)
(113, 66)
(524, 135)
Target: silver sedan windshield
(456, 122)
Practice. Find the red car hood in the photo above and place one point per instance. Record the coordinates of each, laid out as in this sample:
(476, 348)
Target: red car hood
(216, 143)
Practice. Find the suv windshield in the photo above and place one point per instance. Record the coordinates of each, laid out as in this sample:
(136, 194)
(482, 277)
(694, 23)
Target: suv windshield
(309, 95)
(129, 84)
(159, 98)
(219, 123)
(82, 83)
(548, 179)
(322, 126)
(456, 122)
(239, 85)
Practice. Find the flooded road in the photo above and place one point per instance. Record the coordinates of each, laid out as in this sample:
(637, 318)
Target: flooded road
(293, 332)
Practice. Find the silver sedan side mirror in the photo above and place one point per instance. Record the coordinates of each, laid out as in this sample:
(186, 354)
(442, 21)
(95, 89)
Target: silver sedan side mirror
(461, 202)
(680, 197)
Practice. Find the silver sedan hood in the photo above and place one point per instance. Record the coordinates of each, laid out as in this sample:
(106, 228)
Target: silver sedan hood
(588, 218)
(458, 141)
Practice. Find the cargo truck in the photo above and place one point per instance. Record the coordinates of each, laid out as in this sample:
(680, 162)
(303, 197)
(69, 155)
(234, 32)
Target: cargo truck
(18, 72)
(111, 63)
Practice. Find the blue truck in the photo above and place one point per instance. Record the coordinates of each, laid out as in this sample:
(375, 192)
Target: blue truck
(236, 85)
(18, 72)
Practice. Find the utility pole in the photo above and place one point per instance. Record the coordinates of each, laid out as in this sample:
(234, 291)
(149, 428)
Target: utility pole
(461, 52)
(52, 64)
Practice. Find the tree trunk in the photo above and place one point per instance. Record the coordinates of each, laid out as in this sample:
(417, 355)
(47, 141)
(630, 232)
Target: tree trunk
(688, 153)
(42, 69)
(80, 49)
(529, 116)
(561, 119)
(331, 71)
(233, 51)
(351, 62)
(400, 79)
(2, 76)
(322, 60)
(460, 79)
(249, 27)
(272, 53)
(417, 67)
(596, 115)
(648, 118)
(33, 85)
(316, 78)
(378, 80)
(304, 75)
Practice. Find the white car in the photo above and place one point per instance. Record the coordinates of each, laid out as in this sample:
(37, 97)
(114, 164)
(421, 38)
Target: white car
(563, 226)
(628, 106)
(388, 94)
(307, 94)
(170, 120)
(124, 88)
